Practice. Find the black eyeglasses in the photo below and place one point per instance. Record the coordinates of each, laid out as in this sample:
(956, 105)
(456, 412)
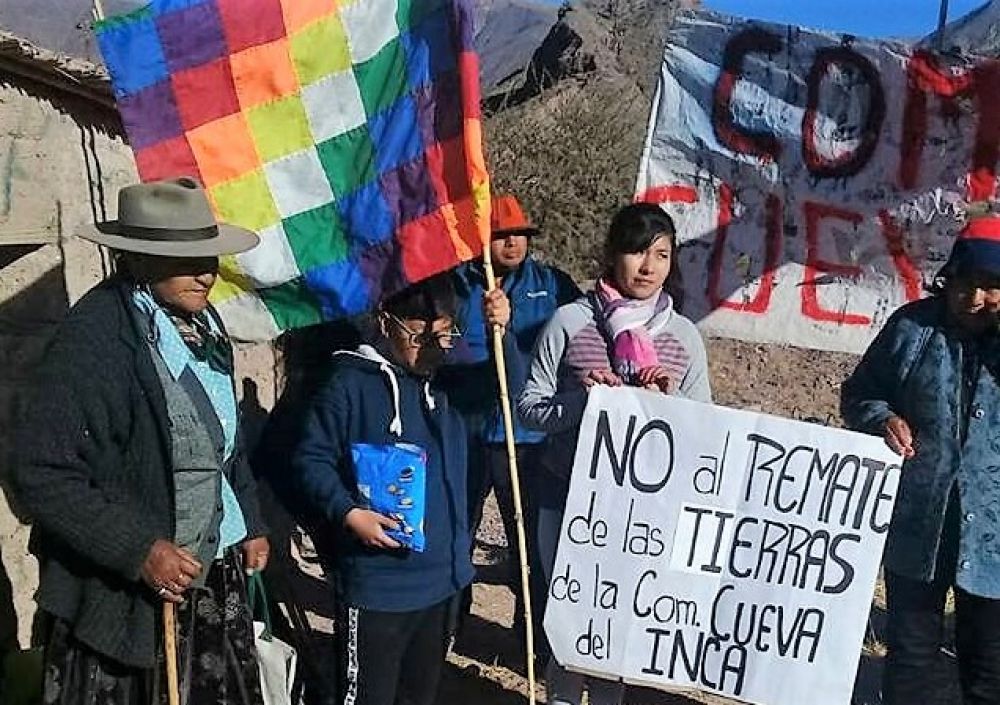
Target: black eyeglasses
(444, 340)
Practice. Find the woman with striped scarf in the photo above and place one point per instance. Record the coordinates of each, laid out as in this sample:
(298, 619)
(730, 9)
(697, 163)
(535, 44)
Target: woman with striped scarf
(626, 331)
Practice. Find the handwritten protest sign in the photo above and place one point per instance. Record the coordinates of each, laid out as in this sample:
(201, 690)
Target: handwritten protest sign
(816, 179)
(716, 549)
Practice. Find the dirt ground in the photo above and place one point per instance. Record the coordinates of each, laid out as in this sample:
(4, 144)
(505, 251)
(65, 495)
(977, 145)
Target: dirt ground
(785, 381)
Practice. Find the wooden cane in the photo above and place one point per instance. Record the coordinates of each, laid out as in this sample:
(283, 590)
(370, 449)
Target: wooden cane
(170, 650)
(515, 480)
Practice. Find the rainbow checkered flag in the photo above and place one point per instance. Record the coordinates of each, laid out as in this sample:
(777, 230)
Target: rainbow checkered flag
(346, 133)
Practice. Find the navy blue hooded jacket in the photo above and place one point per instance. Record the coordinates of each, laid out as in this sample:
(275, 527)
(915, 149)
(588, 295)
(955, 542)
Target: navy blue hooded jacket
(370, 400)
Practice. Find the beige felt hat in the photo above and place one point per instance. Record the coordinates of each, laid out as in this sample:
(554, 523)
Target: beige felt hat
(168, 219)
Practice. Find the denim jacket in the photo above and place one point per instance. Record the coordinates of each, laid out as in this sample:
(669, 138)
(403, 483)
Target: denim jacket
(535, 291)
(914, 369)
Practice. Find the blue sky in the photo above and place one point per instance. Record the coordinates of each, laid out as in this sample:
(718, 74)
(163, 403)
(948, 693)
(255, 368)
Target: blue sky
(870, 18)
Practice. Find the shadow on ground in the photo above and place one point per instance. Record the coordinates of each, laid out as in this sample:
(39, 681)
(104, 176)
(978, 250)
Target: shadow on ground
(467, 685)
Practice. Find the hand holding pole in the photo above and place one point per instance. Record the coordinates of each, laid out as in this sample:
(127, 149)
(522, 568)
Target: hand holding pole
(515, 481)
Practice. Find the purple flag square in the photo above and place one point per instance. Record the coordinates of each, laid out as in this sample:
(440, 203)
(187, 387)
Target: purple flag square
(192, 37)
(408, 191)
(382, 268)
(439, 109)
(464, 25)
(150, 116)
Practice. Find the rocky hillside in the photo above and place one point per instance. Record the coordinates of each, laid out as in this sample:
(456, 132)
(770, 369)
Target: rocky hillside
(976, 33)
(61, 26)
(566, 134)
(507, 34)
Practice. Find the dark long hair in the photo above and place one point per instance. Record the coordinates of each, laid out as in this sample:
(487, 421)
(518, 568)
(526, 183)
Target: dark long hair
(635, 228)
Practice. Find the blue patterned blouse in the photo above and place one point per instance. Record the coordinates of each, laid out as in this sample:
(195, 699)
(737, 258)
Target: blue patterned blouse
(177, 356)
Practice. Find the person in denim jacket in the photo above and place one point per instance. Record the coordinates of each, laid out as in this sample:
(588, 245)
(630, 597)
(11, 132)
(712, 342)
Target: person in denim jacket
(928, 384)
(469, 378)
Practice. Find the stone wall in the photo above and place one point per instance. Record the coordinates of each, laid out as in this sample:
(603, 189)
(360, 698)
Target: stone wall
(61, 159)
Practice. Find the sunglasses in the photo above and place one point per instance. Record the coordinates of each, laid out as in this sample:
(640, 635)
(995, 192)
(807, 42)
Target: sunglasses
(418, 339)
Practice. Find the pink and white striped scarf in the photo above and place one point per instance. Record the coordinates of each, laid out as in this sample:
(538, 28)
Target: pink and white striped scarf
(626, 323)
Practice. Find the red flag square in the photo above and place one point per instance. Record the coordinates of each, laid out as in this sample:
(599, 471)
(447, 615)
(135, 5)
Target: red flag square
(167, 160)
(205, 93)
(268, 22)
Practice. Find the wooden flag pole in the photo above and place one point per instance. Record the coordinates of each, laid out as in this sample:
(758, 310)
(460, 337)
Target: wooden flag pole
(170, 651)
(515, 480)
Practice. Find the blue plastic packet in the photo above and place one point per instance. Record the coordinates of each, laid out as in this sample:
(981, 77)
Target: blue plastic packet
(392, 478)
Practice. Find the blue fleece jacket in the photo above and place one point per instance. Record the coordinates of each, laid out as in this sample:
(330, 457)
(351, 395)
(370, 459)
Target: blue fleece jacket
(947, 390)
(369, 400)
(535, 291)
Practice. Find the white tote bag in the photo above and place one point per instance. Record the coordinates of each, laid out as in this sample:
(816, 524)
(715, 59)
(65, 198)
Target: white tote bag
(277, 659)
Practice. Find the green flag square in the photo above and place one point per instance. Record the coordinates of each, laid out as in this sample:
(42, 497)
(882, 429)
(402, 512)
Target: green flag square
(317, 237)
(292, 305)
(382, 79)
(409, 13)
(349, 160)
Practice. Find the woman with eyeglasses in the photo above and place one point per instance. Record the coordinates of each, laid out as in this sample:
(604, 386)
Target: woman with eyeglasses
(382, 462)
(626, 331)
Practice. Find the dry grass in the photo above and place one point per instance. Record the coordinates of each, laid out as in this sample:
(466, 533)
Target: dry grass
(572, 161)
(572, 154)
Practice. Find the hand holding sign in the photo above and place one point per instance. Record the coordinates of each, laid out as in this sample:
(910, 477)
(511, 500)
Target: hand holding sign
(605, 377)
(656, 378)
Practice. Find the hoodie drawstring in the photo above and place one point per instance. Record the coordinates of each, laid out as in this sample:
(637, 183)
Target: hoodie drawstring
(396, 425)
(368, 352)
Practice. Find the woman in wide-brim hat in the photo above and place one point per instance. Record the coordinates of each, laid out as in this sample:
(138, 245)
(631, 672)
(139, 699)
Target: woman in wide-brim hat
(130, 468)
(929, 384)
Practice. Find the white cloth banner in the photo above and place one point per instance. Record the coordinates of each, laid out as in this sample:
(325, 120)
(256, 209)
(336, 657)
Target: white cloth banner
(817, 179)
(721, 550)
